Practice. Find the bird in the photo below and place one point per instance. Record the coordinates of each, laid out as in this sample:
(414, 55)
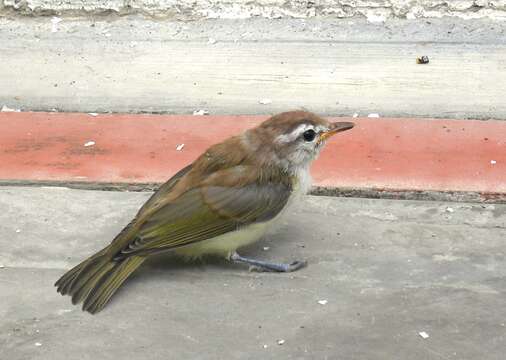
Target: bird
(227, 198)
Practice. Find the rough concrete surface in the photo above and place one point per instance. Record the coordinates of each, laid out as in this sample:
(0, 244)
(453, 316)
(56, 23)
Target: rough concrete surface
(389, 270)
(259, 66)
(373, 10)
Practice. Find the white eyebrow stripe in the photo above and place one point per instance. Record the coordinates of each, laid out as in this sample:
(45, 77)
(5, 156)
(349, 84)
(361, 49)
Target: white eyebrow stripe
(285, 138)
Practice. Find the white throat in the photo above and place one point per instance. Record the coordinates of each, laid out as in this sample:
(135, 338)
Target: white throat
(304, 180)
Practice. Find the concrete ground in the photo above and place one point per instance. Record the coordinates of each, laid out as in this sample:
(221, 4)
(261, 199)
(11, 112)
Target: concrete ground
(380, 273)
(255, 66)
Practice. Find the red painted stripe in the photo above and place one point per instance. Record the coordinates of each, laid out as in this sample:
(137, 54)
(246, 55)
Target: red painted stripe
(398, 154)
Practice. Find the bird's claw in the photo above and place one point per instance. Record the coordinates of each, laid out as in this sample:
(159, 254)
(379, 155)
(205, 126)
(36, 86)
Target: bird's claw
(294, 266)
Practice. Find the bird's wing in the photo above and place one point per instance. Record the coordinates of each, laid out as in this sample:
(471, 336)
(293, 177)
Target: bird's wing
(206, 212)
(164, 189)
(125, 234)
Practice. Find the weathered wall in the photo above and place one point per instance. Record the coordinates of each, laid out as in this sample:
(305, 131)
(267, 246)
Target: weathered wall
(374, 10)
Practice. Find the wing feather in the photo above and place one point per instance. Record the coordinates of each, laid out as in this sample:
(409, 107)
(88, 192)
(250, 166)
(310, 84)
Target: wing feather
(206, 212)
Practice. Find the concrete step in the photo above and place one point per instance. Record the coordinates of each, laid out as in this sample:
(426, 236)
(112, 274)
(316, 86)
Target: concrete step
(387, 269)
(463, 160)
(255, 67)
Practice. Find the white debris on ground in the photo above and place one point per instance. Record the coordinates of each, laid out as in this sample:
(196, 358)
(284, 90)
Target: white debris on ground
(375, 18)
(38, 344)
(89, 143)
(449, 209)
(2, 266)
(266, 248)
(265, 346)
(493, 162)
(201, 112)
(211, 41)
(5, 108)
(93, 114)
(281, 342)
(18, 230)
(179, 147)
(355, 115)
(373, 115)
(323, 302)
(54, 23)
(423, 334)
(265, 101)
(63, 311)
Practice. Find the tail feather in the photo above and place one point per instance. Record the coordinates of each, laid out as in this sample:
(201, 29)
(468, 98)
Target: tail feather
(64, 284)
(88, 281)
(110, 282)
(96, 279)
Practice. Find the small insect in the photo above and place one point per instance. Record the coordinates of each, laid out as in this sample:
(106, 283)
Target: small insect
(422, 60)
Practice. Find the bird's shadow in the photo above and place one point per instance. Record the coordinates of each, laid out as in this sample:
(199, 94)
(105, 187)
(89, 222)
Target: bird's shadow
(168, 266)
(178, 267)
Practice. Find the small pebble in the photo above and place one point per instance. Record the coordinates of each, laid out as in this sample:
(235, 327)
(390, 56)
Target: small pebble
(323, 302)
(89, 143)
(423, 334)
(54, 23)
(493, 162)
(63, 311)
(5, 108)
(200, 112)
(38, 344)
(180, 147)
(281, 342)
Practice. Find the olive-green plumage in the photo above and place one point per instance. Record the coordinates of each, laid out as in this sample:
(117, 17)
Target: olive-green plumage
(222, 201)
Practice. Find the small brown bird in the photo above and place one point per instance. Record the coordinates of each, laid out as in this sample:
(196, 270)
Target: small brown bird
(224, 200)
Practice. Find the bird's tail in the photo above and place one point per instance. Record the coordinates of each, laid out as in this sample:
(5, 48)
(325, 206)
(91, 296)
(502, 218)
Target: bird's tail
(96, 279)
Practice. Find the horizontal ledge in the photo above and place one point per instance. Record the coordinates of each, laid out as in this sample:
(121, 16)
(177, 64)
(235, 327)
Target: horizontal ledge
(370, 193)
(380, 157)
(97, 74)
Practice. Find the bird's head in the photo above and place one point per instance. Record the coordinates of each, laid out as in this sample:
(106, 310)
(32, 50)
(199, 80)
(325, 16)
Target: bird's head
(294, 139)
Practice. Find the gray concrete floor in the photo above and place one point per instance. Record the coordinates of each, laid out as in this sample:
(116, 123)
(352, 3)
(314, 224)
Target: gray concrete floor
(387, 269)
(330, 66)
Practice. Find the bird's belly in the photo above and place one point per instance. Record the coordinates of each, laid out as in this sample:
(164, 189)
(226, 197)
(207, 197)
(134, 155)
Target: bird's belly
(226, 244)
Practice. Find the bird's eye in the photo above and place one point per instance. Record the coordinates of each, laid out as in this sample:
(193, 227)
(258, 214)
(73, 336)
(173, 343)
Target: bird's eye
(309, 135)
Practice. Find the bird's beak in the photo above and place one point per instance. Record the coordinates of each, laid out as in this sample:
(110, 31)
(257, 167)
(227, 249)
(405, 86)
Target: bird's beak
(335, 128)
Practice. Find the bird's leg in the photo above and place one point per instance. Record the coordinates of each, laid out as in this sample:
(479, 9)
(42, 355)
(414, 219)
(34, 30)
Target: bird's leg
(267, 266)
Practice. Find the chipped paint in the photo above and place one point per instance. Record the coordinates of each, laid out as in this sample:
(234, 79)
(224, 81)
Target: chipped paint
(373, 10)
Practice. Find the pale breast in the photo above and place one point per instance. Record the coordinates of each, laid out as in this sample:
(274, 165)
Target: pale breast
(228, 243)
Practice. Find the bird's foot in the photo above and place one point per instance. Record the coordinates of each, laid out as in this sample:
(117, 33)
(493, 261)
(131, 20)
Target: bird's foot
(262, 266)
